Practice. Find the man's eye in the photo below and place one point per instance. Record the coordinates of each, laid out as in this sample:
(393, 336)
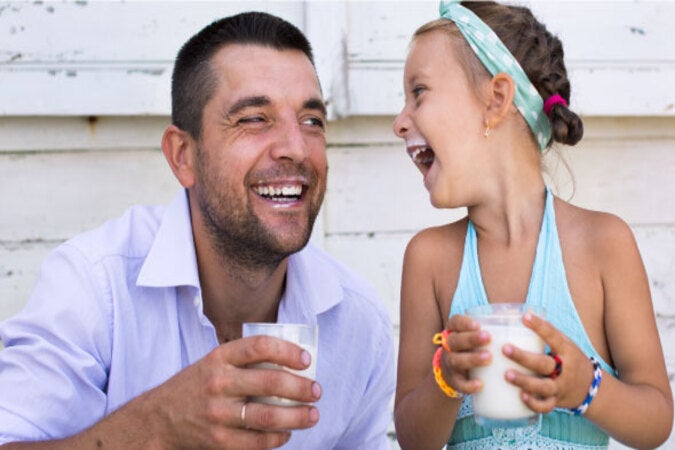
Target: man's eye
(251, 119)
(314, 121)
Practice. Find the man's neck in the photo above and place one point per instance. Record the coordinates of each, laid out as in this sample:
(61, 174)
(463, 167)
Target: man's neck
(233, 294)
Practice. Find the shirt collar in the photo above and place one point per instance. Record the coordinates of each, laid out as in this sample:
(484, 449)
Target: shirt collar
(312, 286)
(172, 260)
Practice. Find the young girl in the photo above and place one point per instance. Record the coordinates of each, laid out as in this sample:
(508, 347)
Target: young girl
(486, 92)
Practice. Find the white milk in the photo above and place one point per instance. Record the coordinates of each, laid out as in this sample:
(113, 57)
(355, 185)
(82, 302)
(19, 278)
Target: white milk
(309, 372)
(499, 400)
(304, 336)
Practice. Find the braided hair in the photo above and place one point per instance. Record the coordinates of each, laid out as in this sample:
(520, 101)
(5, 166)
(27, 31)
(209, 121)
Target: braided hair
(539, 53)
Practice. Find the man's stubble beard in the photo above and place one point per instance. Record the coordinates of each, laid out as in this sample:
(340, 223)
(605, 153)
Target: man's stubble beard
(238, 235)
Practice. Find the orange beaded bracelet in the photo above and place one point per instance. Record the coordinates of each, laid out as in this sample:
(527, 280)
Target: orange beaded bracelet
(436, 365)
(442, 339)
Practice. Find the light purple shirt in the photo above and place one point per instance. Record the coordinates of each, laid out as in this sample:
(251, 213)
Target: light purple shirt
(117, 311)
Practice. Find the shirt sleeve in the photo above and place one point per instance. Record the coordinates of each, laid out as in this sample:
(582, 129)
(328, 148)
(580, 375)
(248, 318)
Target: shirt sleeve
(53, 370)
(368, 428)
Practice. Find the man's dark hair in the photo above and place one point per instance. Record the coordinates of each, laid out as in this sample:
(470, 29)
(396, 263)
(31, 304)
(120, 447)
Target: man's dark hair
(194, 82)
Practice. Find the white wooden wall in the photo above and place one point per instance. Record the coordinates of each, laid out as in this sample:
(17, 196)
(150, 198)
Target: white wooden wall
(84, 98)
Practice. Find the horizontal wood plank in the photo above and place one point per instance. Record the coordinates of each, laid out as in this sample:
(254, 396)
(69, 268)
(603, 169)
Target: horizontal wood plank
(51, 196)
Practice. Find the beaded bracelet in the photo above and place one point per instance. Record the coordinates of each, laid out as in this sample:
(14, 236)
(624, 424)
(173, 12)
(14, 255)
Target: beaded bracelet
(595, 385)
(438, 376)
(442, 340)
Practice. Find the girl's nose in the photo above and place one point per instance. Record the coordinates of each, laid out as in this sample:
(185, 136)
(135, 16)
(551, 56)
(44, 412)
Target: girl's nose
(401, 124)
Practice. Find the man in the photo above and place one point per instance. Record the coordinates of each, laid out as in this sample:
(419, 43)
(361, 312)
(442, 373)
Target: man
(132, 337)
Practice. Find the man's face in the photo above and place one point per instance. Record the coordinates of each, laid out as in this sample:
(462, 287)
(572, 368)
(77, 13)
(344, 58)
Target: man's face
(261, 160)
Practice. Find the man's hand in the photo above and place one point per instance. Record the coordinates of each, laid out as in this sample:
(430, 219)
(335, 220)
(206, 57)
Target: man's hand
(203, 406)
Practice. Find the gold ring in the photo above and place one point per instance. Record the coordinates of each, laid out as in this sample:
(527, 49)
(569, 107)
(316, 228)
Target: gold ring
(243, 414)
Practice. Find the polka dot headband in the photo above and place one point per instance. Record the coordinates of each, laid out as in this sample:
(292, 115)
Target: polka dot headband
(497, 59)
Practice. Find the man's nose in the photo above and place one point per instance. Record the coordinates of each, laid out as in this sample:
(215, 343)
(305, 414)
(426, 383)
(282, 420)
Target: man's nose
(290, 143)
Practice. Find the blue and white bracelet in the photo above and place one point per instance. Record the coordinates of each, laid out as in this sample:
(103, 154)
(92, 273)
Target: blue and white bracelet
(595, 385)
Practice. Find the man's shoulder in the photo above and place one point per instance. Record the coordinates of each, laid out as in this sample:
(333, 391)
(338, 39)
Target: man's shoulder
(130, 235)
(357, 292)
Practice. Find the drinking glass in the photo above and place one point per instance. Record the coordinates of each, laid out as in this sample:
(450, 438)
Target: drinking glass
(498, 404)
(305, 336)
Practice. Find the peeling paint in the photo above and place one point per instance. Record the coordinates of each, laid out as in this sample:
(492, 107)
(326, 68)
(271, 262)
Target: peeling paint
(152, 72)
(637, 30)
(92, 121)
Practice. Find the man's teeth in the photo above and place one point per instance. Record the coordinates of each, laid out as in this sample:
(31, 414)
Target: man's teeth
(279, 193)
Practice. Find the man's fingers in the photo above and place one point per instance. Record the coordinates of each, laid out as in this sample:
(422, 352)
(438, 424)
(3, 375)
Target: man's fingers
(269, 382)
(261, 416)
(251, 439)
(256, 349)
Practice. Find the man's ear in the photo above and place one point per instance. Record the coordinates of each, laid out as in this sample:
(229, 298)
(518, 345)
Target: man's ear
(179, 150)
(501, 91)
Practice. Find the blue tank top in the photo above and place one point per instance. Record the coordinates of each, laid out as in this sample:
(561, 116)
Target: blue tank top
(548, 288)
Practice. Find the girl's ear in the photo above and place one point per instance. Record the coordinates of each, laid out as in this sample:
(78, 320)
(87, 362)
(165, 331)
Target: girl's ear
(179, 150)
(501, 91)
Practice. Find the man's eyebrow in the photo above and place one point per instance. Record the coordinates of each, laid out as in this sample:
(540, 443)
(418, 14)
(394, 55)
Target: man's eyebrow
(248, 102)
(317, 104)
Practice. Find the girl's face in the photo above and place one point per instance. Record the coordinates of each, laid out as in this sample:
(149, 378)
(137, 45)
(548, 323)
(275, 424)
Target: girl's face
(443, 120)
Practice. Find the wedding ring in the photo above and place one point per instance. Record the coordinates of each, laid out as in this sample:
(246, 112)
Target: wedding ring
(243, 415)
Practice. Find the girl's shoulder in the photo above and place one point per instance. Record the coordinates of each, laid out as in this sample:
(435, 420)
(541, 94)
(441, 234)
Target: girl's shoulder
(440, 238)
(436, 247)
(603, 234)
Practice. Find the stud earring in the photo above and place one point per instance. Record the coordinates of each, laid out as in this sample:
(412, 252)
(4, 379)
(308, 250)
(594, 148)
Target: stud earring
(487, 131)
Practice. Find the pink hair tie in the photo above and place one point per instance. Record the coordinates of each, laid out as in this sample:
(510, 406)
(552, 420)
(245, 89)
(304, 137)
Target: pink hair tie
(551, 101)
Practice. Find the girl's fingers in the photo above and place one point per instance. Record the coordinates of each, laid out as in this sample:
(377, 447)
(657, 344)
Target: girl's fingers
(460, 322)
(539, 394)
(541, 364)
(546, 331)
(462, 383)
(540, 387)
(540, 405)
(465, 361)
(467, 341)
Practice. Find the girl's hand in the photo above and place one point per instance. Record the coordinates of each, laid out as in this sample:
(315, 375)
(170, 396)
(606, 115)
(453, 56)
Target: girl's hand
(465, 340)
(547, 389)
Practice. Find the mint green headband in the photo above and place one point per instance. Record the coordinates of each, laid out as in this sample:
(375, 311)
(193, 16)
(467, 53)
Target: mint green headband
(497, 58)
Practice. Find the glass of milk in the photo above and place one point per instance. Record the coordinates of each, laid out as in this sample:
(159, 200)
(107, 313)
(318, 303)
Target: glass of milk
(305, 336)
(498, 404)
